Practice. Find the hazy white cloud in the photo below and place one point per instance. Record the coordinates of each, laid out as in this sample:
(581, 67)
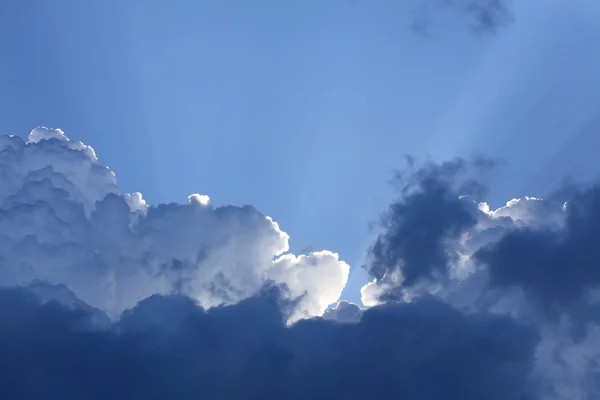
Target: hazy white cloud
(528, 211)
(344, 311)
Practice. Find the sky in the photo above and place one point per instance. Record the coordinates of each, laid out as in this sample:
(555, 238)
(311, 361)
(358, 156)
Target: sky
(305, 111)
(295, 108)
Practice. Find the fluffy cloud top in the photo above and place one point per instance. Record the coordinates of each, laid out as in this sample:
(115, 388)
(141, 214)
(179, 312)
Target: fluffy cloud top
(63, 220)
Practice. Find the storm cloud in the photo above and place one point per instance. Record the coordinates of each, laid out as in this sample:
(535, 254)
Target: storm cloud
(168, 347)
(106, 296)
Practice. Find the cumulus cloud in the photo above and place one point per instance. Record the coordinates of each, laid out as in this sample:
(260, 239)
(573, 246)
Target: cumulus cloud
(344, 311)
(186, 300)
(316, 280)
(64, 221)
(534, 260)
(49, 155)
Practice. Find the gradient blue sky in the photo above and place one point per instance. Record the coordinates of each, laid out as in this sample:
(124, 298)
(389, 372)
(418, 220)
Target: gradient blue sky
(303, 109)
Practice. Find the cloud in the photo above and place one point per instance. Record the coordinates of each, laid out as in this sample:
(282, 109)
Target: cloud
(315, 280)
(433, 237)
(558, 267)
(480, 16)
(49, 155)
(344, 311)
(168, 347)
(534, 260)
(184, 300)
(63, 220)
(412, 246)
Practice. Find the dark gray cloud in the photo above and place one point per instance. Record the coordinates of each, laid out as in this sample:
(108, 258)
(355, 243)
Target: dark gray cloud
(416, 228)
(556, 267)
(169, 348)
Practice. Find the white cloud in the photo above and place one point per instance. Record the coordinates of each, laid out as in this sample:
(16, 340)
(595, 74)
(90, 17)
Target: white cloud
(43, 133)
(63, 220)
(136, 202)
(344, 311)
(317, 279)
(200, 199)
(370, 293)
(528, 211)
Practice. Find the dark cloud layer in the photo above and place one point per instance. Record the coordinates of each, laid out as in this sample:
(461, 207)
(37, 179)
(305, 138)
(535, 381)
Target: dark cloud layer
(169, 348)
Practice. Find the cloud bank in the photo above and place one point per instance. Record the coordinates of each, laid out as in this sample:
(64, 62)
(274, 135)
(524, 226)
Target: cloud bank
(168, 347)
(63, 221)
(105, 296)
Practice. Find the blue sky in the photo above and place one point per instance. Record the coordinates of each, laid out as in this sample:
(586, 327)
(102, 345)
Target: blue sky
(304, 109)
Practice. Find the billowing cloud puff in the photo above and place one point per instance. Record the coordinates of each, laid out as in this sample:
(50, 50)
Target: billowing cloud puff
(316, 280)
(49, 155)
(344, 311)
(63, 220)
